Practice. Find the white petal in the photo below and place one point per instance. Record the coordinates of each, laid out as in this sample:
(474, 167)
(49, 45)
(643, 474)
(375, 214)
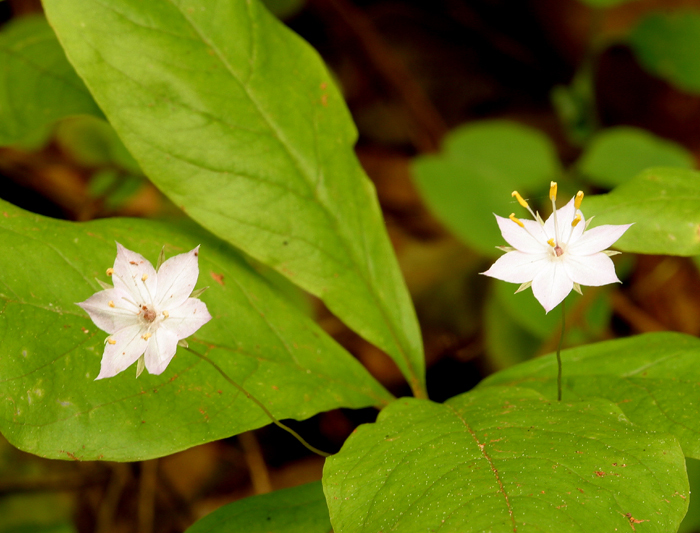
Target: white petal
(592, 270)
(565, 216)
(134, 274)
(551, 285)
(119, 356)
(518, 267)
(184, 320)
(597, 239)
(110, 319)
(161, 350)
(176, 278)
(530, 239)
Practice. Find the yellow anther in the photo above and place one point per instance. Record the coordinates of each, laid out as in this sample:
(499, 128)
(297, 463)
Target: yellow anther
(146, 336)
(110, 271)
(579, 199)
(144, 277)
(111, 303)
(166, 314)
(552, 243)
(576, 220)
(520, 199)
(553, 191)
(111, 341)
(512, 217)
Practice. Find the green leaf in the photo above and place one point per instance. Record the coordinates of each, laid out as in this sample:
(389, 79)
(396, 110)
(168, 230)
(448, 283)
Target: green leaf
(37, 84)
(284, 8)
(246, 132)
(50, 351)
(663, 204)
(691, 522)
(473, 177)
(667, 44)
(297, 510)
(654, 378)
(616, 155)
(505, 460)
(605, 3)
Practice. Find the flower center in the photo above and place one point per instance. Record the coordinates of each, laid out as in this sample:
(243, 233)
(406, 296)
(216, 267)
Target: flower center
(149, 315)
(558, 250)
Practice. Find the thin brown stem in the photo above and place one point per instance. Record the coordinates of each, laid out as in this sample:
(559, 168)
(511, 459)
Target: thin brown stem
(259, 404)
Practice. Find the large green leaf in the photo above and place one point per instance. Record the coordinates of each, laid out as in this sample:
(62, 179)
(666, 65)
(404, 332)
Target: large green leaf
(667, 45)
(654, 378)
(473, 177)
(297, 510)
(616, 155)
(50, 351)
(504, 460)
(663, 204)
(37, 84)
(238, 121)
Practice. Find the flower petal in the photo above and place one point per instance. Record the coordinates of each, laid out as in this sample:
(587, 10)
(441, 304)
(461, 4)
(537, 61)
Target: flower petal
(176, 278)
(592, 270)
(565, 216)
(107, 318)
(518, 267)
(135, 275)
(551, 285)
(597, 239)
(161, 350)
(530, 239)
(119, 356)
(184, 320)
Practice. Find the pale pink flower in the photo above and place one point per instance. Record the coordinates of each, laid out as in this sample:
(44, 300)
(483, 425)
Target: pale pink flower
(557, 255)
(146, 313)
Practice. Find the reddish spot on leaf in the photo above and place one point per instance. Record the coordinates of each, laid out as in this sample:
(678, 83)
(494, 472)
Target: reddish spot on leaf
(5, 214)
(599, 473)
(219, 278)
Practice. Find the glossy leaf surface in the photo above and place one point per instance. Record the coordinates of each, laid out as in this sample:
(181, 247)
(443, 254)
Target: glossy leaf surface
(654, 378)
(505, 460)
(50, 350)
(663, 203)
(237, 120)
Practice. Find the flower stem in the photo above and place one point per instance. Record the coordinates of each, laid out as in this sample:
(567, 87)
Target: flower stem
(561, 340)
(259, 404)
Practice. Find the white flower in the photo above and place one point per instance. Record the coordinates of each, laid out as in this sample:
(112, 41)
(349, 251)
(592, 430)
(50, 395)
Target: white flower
(147, 312)
(557, 255)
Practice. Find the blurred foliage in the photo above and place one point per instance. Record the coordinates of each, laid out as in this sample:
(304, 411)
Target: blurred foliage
(480, 165)
(667, 45)
(284, 8)
(616, 155)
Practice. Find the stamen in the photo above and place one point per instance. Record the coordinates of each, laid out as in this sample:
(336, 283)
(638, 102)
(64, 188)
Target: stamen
(520, 199)
(110, 271)
(111, 303)
(576, 220)
(166, 314)
(552, 243)
(553, 197)
(146, 336)
(553, 191)
(111, 341)
(144, 277)
(518, 222)
(579, 199)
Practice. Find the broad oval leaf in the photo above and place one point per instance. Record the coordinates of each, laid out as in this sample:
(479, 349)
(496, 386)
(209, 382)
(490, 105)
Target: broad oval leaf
(663, 203)
(616, 155)
(473, 177)
(50, 351)
(299, 509)
(37, 83)
(654, 378)
(237, 120)
(667, 44)
(505, 460)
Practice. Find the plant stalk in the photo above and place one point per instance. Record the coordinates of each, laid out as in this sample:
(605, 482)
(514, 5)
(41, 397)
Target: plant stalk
(561, 340)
